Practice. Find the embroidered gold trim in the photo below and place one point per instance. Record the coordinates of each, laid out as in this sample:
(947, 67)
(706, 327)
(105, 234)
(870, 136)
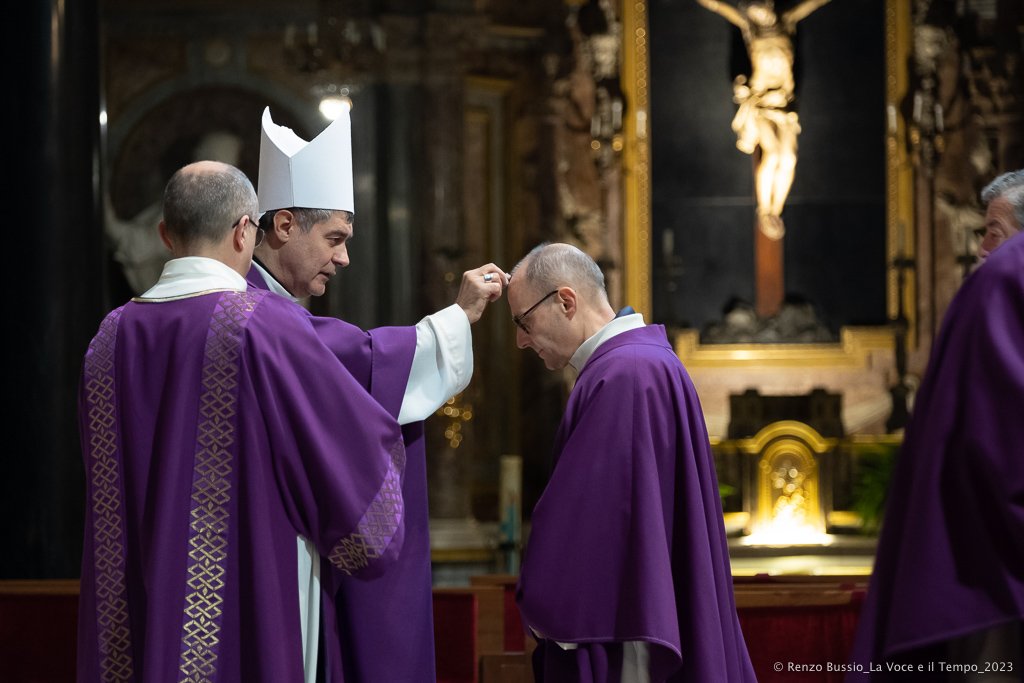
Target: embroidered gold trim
(113, 627)
(380, 522)
(211, 487)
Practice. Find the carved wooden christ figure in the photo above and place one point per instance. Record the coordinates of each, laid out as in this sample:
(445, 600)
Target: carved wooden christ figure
(765, 120)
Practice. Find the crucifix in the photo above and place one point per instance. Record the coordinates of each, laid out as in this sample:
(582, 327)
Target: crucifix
(767, 127)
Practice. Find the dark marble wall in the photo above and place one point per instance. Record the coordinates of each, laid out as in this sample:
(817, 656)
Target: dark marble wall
(55, 281)
(702, 186)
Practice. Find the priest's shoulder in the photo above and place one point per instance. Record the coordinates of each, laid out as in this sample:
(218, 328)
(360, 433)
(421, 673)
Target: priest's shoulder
(274, 311)
(648, 344)
(625, 359)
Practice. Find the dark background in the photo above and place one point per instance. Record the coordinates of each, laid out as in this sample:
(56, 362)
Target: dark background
(702, 186)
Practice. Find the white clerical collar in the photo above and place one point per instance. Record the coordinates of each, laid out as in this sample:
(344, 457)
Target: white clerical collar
(273, 285)
(191, 275)
(615, 327)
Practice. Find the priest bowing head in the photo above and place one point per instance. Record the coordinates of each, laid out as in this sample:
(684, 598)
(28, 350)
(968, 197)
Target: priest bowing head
(558, 301)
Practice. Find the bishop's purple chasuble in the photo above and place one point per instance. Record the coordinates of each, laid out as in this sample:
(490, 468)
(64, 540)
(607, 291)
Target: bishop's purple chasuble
(387, 624)
(950, 558)
(215, 429)
(628, 540)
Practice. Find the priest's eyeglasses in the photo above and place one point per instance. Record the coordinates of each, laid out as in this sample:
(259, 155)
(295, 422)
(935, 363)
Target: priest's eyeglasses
(518, 319)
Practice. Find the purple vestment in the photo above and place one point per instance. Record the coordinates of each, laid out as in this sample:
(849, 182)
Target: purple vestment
(386, 624)
(215, 429)
(950, 557)
(628, 541)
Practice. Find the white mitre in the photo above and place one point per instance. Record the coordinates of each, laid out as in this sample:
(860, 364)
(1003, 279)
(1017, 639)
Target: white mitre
(312, 175)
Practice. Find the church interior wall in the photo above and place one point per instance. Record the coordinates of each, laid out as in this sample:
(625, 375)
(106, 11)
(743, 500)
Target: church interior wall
(481, 129)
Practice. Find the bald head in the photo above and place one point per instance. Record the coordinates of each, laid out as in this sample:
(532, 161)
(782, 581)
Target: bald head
(552, 265)
(204, 200)
(558, 301)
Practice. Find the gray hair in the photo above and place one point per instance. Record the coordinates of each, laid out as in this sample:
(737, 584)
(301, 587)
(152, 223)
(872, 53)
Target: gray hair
(305, 218)
(1010, 186)
(202, 204)
(550, 266)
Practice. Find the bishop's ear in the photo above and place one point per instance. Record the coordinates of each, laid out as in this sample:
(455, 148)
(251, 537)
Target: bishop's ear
(284, 224)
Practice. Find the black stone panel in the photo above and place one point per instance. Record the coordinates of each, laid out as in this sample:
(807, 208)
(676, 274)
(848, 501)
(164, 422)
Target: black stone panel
(702, 276)
(835, 259)
(702, 186)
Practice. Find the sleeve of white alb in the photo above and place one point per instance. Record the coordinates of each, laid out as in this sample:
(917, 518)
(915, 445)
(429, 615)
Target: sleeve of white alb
(441, 366)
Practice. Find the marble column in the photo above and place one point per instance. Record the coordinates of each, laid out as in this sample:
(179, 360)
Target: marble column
(56, 279)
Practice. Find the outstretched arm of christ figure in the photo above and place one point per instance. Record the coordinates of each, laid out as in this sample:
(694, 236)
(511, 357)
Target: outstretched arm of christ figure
(801, 11)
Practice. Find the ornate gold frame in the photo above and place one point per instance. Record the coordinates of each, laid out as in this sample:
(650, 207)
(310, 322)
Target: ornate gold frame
(637, 171)
(636, 158)
(899, 177)
(855, 349)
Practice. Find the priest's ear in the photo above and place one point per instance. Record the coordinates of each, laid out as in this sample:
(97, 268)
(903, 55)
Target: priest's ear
(238, 233)
(165, 236)
(567, 299)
